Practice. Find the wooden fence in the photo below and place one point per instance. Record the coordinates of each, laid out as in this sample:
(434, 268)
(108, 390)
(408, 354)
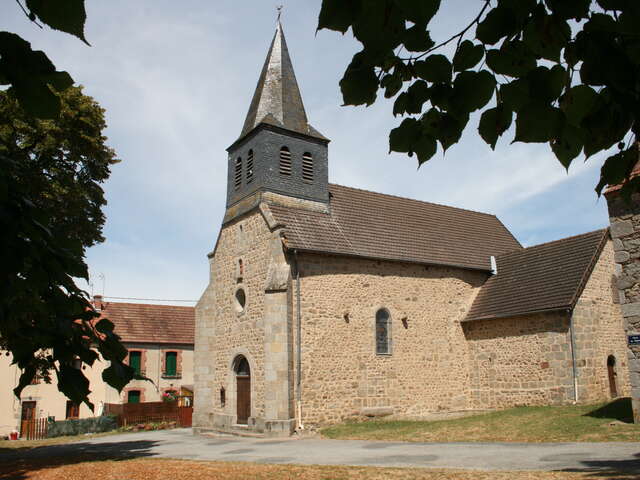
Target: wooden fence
(34, 429)
(150, 412)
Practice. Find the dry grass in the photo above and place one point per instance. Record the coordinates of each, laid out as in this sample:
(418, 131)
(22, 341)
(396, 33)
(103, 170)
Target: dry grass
(154, 469)
(573, 423)
(27, 444)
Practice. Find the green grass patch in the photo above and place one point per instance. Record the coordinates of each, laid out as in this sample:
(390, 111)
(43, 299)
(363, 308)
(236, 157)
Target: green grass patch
(607, 422)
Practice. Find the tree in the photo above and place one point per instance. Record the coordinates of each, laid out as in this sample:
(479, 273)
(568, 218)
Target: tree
(567, 71)
(52, 161)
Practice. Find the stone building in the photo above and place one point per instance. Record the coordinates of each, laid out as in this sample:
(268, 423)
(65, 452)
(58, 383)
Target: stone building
(159, 339)
(625, 229)
(326, 301)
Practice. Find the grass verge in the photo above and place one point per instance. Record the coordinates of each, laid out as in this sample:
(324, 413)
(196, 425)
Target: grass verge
(573, 423)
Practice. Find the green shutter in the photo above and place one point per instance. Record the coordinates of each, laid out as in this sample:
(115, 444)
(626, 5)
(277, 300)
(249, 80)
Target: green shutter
(133, 396)
(134, 361)
(171, 363)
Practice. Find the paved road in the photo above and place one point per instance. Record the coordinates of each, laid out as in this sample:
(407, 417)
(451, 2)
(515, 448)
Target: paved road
(181, 443)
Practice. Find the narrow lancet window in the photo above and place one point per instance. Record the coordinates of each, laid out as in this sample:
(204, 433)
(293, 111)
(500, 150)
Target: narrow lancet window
(307, 167)
(285, 161)
(383, 332)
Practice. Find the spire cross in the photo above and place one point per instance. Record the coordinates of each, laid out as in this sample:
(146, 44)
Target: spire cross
(279, 9)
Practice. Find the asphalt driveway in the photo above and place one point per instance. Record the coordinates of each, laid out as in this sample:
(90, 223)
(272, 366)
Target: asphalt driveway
(182, 444)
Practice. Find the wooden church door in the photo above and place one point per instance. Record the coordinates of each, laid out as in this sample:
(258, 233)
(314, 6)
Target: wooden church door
(243, 390)
(611, 370)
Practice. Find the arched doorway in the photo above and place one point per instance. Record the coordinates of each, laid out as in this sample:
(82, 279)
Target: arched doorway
(611, 369)
(243, 389)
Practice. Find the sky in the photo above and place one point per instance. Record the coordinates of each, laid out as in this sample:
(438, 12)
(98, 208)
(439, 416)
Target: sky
(176, 79)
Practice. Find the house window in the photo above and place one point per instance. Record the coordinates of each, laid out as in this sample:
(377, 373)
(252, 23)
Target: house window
(73, 410)
(135, 361)
(238, 173)
(171, 364)
(383, 332)
(250, 167)
(133, 396)
(285, 161)
(240, 300)
(307, 167)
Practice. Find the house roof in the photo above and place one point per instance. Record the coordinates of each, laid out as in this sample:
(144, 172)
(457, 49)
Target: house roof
(277, 99)
(375, 225)
(545, 277)
(145, 323)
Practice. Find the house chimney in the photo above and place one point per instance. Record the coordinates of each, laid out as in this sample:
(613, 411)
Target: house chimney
(97, 302)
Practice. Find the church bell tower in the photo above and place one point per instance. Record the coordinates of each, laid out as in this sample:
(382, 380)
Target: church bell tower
(278, 156)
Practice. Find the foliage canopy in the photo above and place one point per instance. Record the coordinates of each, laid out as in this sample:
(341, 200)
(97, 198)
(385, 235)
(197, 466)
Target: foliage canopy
(567, 73)
(53, 159)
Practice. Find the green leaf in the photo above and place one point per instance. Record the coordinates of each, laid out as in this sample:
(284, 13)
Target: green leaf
(440, 95)
(546, 35)
(118, 375)
(467, 56)
(537, 122)
(30, 72)
(380, 27)
(472, 90)
(513, 59)
(104, 326)
(404, 137)
(547, 85)
(64, 15)
(73, 383)
(493, 123)
(417, 39)
(338, 14)
(359, 85)
(419, 11)
(577, 103)
(435, 68)
(400, 106)
(450, 130)
(392, 84)
(498, 23)
(515, 94)
(617, 168)
(568, 144)
(425, 148)
(418, 93)
(575, 9)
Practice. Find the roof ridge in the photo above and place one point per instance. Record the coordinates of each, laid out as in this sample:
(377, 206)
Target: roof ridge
(414, 200)
(108, 303)
(558, 240)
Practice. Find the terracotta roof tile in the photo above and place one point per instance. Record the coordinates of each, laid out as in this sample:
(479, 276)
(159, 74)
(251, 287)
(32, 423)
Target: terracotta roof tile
(144, 323)
(375, 225)
(541, 278)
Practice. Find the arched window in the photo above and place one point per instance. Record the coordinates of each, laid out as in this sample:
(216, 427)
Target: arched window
(238, 173)
(285, 161)
(307, 167)
(242, 367)
(383, 332)
(250, 167)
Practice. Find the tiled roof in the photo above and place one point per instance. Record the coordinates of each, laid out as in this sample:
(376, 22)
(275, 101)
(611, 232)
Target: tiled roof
(545, 277)
(374, 225)
(144, 323)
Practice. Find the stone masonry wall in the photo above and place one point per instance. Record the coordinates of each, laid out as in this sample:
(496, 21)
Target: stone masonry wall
(520, 361)
(599, 332)
(223, 330)
(342, 375)
(625, 231)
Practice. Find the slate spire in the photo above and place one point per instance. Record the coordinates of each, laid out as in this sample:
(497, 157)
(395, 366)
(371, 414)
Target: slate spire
(277, 100)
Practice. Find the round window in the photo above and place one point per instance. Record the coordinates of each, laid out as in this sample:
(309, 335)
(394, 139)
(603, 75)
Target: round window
(241, 300)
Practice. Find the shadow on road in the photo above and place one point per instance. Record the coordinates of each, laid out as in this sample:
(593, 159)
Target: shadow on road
(610, 469)
(16, 464)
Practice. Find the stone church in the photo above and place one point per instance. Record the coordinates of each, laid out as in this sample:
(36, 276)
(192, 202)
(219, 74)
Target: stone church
(326, 301)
